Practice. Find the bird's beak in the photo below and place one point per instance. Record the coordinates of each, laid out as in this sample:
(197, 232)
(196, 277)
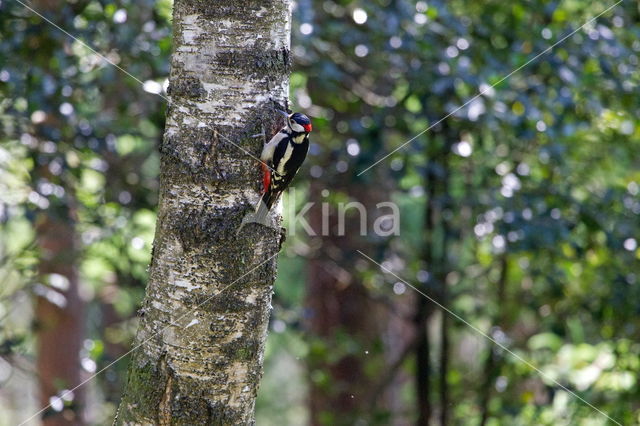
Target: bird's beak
(286, 115)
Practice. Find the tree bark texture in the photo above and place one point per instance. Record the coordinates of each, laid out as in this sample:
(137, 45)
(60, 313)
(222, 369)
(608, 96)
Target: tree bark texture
(204, 318)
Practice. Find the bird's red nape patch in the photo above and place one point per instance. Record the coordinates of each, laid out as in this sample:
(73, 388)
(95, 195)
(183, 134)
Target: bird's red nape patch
(308, 128)
(266, 177)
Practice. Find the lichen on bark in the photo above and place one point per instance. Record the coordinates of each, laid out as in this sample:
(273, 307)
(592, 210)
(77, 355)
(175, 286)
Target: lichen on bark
(204, 318)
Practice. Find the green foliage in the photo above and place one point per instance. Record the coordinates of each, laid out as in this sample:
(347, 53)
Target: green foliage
(542, 172)
(78, 134)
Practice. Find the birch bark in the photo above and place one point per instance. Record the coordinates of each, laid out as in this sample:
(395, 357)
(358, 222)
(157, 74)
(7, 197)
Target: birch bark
(204, 318)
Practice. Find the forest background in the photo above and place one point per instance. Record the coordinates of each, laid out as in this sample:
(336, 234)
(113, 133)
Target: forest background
(518, 212)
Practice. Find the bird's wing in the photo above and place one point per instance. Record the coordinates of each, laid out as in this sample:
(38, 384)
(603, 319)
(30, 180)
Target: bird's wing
(269, 148)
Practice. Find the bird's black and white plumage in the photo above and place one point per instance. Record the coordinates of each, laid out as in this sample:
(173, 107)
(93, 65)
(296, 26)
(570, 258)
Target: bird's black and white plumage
(284, 153)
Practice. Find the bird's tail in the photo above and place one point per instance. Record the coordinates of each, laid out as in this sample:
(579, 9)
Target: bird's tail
(269, 197)
(266, 202)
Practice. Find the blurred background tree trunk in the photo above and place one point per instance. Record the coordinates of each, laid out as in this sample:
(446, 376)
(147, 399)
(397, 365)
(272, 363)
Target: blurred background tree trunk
(59, 309)
(339, 309)
(493, 360)
(205, 314)
(358, 337)
(437, 234)
(59, 318)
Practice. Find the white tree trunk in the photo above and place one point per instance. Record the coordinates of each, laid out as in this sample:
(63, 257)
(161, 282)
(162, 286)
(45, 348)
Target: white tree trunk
(204, 318)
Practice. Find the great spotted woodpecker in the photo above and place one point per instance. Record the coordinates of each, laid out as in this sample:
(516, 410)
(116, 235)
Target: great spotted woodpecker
(284, 153)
